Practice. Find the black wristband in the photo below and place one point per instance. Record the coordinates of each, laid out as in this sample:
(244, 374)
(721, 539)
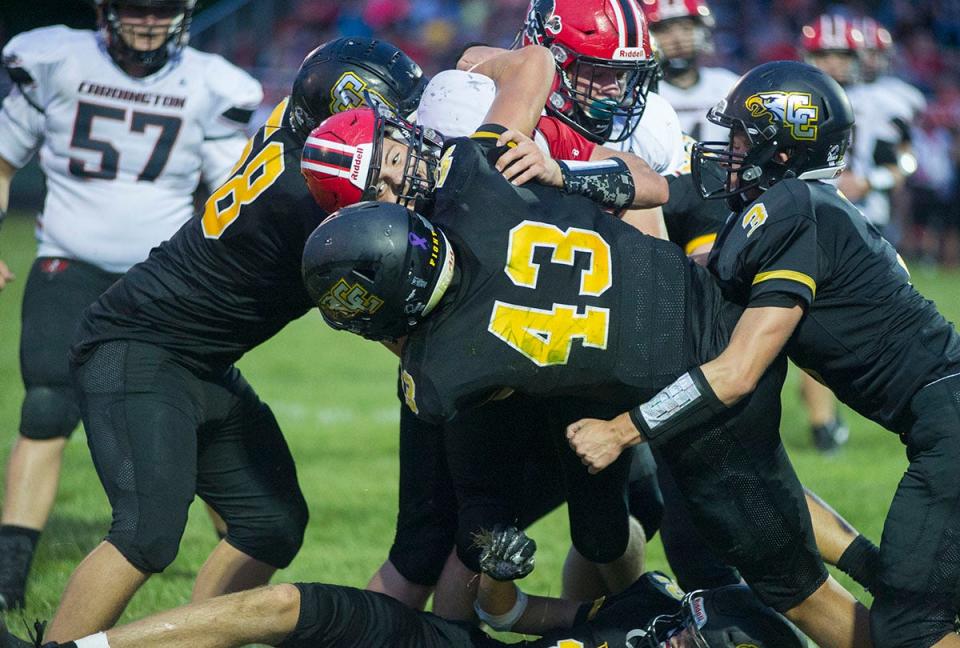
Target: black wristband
(685, 404)
(606, 182)
(861, 561)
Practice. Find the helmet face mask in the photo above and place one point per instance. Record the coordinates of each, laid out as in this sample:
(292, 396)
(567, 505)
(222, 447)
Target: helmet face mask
(605, 63)
(725, 617)
(781, 107)
(142, 35)
(597, 92)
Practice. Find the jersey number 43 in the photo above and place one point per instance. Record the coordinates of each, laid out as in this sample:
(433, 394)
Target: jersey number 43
(545, 336)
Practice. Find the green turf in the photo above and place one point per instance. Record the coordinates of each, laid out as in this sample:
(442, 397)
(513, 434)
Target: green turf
(334, 395)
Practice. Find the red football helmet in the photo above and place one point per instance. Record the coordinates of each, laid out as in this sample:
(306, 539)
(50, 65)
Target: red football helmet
(658, 11)
(875, 36)
(337, 158)
(831, 33)
(341, 158)
(598, 45)
(832, 43)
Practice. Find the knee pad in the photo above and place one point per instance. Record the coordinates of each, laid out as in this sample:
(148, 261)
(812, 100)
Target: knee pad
(49, 412)
(420, 554)
(601, 544)
(275, 537)
(149, 549)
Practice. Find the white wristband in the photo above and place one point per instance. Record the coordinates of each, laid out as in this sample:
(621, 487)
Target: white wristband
(504, 622)
(98, 640)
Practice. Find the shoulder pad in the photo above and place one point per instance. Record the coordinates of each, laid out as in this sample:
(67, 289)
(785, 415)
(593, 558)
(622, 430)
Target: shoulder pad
(786, 199)
(226, 80)
(658, 138)
(34, 50)
(31, 57)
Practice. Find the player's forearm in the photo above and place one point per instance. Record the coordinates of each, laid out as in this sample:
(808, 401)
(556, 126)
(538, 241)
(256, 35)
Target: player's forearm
(540, 613)
(523, 78)
(650, 188)
(545, 613)
(757, 340)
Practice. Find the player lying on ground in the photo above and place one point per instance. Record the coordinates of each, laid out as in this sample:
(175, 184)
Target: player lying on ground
(820, 282)
(651, 613)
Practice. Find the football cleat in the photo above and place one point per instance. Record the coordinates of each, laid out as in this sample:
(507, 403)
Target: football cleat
(831, 436)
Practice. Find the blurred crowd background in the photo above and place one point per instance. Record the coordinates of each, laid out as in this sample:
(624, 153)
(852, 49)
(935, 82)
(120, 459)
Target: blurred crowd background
(271, 37)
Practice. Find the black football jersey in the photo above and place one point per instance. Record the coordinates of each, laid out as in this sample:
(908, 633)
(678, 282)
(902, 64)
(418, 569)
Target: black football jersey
(553, 296)
(867, 333)
(229, 279)
(692, 221)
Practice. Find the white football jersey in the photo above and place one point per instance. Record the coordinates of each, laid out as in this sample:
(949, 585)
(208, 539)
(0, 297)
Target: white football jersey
(455, 103)
(122, 155)
(692, 104)
(658, 138)
(874, 113)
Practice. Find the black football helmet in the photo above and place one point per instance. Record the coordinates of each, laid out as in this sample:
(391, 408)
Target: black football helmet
(376, 269)
(149, 61)
(340, 73)
(725, 617)
(783, 106)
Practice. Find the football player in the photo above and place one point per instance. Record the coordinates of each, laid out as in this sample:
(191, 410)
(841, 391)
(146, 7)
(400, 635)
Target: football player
(516, 332)
(341, 145)
(154, 358)
(652, 613)
(818, 280)
(682, 30)
(126, 121)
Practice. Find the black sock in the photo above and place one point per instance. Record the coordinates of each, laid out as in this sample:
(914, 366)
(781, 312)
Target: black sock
(32, 535)
(861, 561)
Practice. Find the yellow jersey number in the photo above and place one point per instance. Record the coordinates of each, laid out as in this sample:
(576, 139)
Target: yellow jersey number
(546, 336)
(223, 205)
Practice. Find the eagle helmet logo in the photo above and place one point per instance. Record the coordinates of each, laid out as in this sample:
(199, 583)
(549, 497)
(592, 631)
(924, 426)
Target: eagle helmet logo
(795, 110)
(542, 23)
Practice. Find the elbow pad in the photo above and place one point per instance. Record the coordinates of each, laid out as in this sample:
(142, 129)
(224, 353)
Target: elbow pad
(605, 182)
(686, 403)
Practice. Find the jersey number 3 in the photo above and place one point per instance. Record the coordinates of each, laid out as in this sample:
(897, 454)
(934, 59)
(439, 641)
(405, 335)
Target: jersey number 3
(546, 336)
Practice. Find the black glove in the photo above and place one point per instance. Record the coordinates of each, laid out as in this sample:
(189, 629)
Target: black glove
(506, 553)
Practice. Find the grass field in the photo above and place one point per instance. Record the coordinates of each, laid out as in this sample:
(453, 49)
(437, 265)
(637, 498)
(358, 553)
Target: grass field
(334, 396)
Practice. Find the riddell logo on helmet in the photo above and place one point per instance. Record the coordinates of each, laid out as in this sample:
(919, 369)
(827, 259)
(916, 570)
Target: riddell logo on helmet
(357, 163)
(629, 54)
(699, 612)
(360, 166)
